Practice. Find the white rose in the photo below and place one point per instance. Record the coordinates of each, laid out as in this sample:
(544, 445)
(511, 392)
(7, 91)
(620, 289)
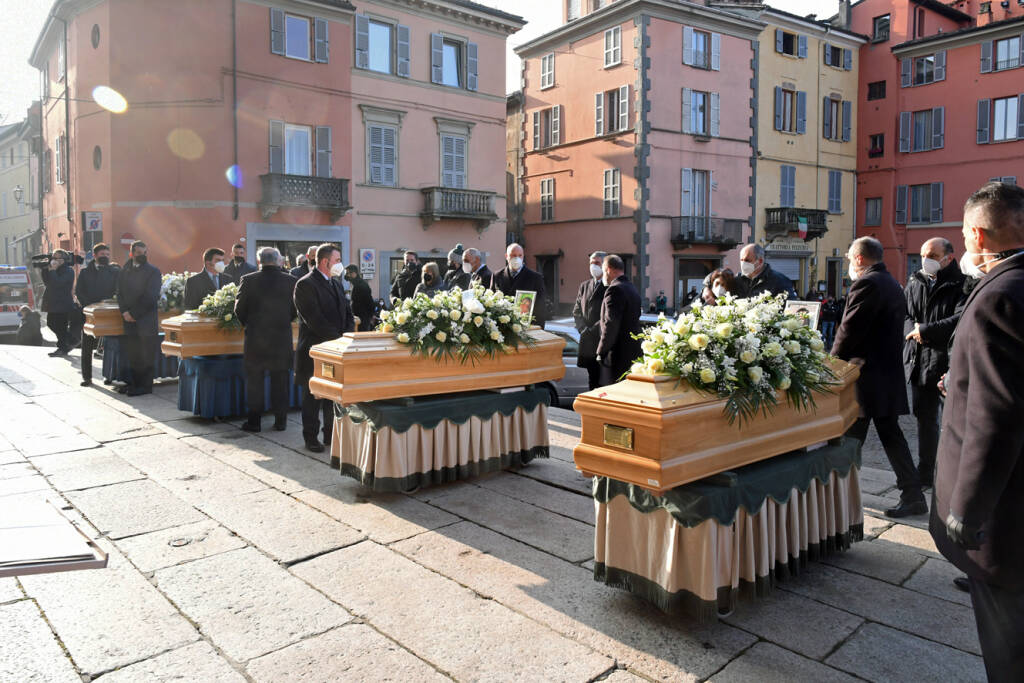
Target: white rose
(658, 337)
(432, 314)
(504, 319)
(403, 338)
(388, 327)
(656, 364)
(637, 368)
(793, 324)
(517, 328)
(671, 339)
(648, 346)
(748, 356)
(784, 384)
(756, 374)
(495, 335)
(817, 344)
(478, 321)
(699, 342)
(792, 347)
(440, 336)
(686, 369)
(682, 327)
(707, 376)
(464, 338)
(772, 350)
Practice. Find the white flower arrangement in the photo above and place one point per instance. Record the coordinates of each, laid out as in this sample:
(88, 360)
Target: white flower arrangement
(458, 324)
(221, 305)
(743, 350)
(172, 291)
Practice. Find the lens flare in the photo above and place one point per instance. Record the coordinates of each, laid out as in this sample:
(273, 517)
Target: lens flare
(186, 144)
(234, 176)
(109, 99)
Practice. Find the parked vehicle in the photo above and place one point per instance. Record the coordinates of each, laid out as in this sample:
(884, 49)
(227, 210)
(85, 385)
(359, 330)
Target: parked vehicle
(15, 292)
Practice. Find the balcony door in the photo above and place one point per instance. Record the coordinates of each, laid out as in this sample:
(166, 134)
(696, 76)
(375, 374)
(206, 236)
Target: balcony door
(696, 202)
(297, 146)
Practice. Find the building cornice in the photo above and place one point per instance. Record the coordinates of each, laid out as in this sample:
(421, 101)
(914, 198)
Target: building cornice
(964, 37)
(462, 11)
(818, 29)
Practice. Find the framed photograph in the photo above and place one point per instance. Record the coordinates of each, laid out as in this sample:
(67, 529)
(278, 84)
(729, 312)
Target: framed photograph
(525, 301)
(810, 310)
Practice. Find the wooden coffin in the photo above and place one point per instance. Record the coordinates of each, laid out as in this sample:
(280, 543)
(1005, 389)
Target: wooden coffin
(660, 434)
(191, 334)
(104, 319)
(370, 366)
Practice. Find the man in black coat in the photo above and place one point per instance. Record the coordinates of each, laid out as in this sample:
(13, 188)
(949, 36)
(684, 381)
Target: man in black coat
(515, 277)
(933, 296)
(870, 335)
(586, 313)
(265, 307)
(324, 314)
(212, 277)
(473, 263)
(979, 486)
(620, 320)
(363, 306)
(758, 277)
(96, 282)
(238, 266)
(404, 286)
(306, 263)
(58, 303)
(138, 291)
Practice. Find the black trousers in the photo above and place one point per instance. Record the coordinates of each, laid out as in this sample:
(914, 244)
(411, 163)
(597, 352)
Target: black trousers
(896, 449)
(927, 402)
(593, 369)
(141, 352)
(88, 346)
(58, 323)
(999, 614)
(313, 409)
(255, 396)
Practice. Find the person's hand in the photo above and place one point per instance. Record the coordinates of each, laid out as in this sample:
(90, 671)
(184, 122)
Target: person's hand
(962, 534)
(915, 333)
(127, 317)
(942, 384)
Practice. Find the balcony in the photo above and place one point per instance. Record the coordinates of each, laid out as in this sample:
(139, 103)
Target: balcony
(693, 231)
(311, 192)
(780, 222)
(451, 202)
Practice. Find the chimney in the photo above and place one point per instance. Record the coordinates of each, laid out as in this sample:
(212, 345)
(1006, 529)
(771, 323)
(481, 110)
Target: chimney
(843, 18)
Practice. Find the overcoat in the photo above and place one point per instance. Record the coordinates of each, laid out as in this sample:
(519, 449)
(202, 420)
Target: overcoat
(138, 291)
(199, 286)
(324, 314)
(527, 280)
(620, 320)
(482, 277)
(586, 315)
(96, 283)
(934, 305)
(57, 295)
(265, 307)
(768, 280)
(363, 305)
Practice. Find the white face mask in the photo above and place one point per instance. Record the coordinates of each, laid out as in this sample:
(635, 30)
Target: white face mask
(970, 269)
(930, 266)
(852, 273)
(747, 268)
(515, 263)
(719, 290)
(467, 267)
(595, 270)
(219, 266)
(338, 269)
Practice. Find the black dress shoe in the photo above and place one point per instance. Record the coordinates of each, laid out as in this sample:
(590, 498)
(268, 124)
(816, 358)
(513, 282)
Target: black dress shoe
(55, 352)
(907, 508)
(962, 583)
(281, 425)
(122, 390)
(85, 383)
(138, 392)
(314, 446)
(108, 382)
(249, 427)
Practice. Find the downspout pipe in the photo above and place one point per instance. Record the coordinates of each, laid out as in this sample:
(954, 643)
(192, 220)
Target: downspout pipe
(234, 108)
(66, 157)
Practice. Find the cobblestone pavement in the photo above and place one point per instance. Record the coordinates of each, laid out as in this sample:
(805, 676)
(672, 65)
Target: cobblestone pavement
(240, 557)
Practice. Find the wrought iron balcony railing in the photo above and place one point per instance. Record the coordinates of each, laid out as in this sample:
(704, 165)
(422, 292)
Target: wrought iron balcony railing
(723, 233)
(450, 202)
(780, 222)
(326, 194)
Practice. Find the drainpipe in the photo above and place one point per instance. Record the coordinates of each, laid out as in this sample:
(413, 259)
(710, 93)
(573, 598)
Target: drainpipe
(642, 170)
(66, 157)
(234, 108)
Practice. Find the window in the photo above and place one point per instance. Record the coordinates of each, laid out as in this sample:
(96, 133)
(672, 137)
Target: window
(379, 47)
(921, 131)
(382, 145)
(547, 199)
(984, 8)
(789, 43)
(1007, 53)
(453, 161)
(839, 57)
(613, 46)
(611, 111)
(297, 149)
(790, 110)
(58, 160)
(696, 200)
(573, 10)
(1005, 113)
(922, 140)
(701, 113)
(876, 145)
(702, 49)
(835, 192)
(787, 185)
(296, 37)
(611, 192)
(547, 125)
(880, 29)
(452, 62)
(837, 119)
(547, 71)
(873, 211)
(920, 23)
(451, 69)
(876, 90)
(921, 204)
(1006, 179)
(61, 60)
(924, 70)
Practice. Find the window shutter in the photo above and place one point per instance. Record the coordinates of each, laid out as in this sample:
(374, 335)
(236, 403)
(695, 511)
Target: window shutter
(901, 205)
(778, 108)
(436, 58)
(716, 52)
(835, 192)
(828, 54)
(688, 45)
(938, 127)
(44, 171)
(936, 214)
(598, 114)
(451, 175)
(1020, 116)
(362, 42)
(472, 64)
(687, 194)
(905, 131)
(323, 151)
(376, 143)
(277, 31)
(321, 46)
(984, 118)
(940, 65)
(826, 118)
(556, 124)
(848, 59)
(778, 40)
(801, 112)
(712, 188)
(986, 57)
(906, 72)
(801, 49)
(1009, 179)
(687, 99)
(389, 155)
(847, 119)
(623, 122)
(277, 146)
(58, 160)
(536, 130)
(715, 114)
(1021, 57)
(402, 66)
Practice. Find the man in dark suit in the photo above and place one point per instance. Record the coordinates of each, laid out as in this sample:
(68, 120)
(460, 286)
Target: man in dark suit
(302, 270)
(978, 503)
(586, 314)
(473, 263)
(324, 314)
(363, 306)
(456, 275)
(620, 320)
(238, 265)
(209, 280)
(515, 276)
(871, 336)
(265, 307)
(96, 282)
(758, 277)
(58, 303)
(138, 291)
(404, 286)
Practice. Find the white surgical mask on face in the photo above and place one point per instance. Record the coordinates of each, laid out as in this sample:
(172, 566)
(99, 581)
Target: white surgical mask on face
(746, 268)
(971, 269)
(337, 269)
(852, 273)
(595, 270)
(930, 266)
(515, 263)
(467, 267)
(219, 266)
(719, 290)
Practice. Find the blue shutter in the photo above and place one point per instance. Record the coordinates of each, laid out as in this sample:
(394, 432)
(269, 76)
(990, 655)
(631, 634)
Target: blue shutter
(901, 205)
(472, 65)
(688, 45)
(848, 60)
(323, 151)
(277, 31)
(826, 118)
(847, 119)
(906, 72)
(1020, 113)
(362, 42)
(321, 44)
(801, 50)
(778, 40)
(828, 54)
(778, 108)
(436, 58)
(716, 52)
(905, 131)
(940, 65)
(986, 56)
(404, 53)
(938, 127)
(801, 112)
(687, 194)
(277, 146)
(984, 120)
(936, 207)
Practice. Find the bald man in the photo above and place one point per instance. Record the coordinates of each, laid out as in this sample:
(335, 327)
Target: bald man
(934, 295)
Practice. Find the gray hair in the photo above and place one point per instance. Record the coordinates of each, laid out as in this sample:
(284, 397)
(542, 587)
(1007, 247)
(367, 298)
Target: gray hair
(268, 256)
(868, 247)
(598, 254)
(474, 252)
(512, 246)
(757, 249)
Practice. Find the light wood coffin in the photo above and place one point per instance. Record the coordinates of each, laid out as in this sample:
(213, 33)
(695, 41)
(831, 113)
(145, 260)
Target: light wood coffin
(371, 366)
(660, 434)
(104, 319)
(191, 334)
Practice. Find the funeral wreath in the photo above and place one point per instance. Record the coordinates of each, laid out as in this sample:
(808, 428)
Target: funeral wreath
(172, 291)
(221, 305)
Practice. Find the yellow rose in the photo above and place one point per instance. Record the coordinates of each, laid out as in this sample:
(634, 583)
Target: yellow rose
(517, 328)
(404, 338)
(756, 374)
(699, 342)
(637, 368)
(455, 315)
(495, 335)
(432, 314)
(724, 330)
(648, 346)
(478, 321)
(227, 318)
(748, 356)
(464, 338)
(440, 336)
(388, 327)
(682, 327)
(504, 319)
(707, 376)
(656, 364)
(772, 350)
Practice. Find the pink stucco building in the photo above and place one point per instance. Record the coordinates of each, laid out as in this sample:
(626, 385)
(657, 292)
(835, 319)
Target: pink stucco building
(284, 123)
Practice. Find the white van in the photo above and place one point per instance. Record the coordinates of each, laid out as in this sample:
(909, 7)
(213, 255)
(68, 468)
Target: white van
(15, 292)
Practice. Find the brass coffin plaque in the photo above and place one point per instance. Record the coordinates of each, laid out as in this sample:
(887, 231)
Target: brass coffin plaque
(174, 336)
(328, 370)
(621, 437)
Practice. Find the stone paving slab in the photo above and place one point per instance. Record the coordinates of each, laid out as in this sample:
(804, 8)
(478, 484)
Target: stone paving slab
(873, 526)
(9, 590)
(566, 598)
(281, 526)
(568, 504)
(195, 662)
(85, 469)
(95, 418)
(767, 663)
(935, 577)
(179, 544)
(134, 507)
(276, 466)
(558, 473)
(17, 469)
(22, 484)
(883, 654)
(108, 618)
(918, 540)
(193, 426)
(558, 535)
(622, 676)
(10, 457)
(880, 559)
(476, 639)
(30, 653)
(247, 604)
(353, 653)
(383, 517)
(148, 408)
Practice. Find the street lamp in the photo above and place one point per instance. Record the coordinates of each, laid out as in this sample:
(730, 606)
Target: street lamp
(18, 193)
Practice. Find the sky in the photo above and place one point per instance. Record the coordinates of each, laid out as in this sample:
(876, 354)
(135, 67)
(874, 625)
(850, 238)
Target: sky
(23, 20)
